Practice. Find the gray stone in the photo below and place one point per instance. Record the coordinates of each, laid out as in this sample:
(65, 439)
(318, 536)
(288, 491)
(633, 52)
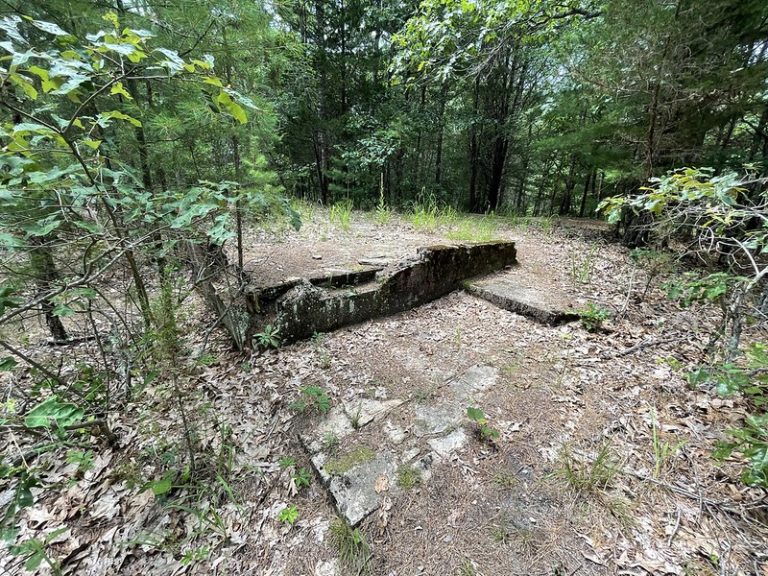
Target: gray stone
(447, 445)
(526, 300)
(355, 491)
(336, 423)
(475, 380)
(437, 419)
(328, 568)
(367, 410)
(395, 434)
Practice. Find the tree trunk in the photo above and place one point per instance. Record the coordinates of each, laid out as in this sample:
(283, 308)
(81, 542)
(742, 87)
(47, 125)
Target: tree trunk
(44, 269)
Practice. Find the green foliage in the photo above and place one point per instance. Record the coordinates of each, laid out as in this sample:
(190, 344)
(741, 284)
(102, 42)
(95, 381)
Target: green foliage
(663, 450)
(302, 478)
(486, 432)
(581, 271)
(351, 546)
(590, 476)
(289, 515)
(269, 337)
(468, 229)
(341, 215)
(313, 398)
(408, 477)
(593, 316)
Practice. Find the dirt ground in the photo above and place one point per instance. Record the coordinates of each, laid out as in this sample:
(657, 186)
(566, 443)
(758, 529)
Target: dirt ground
(603, 464)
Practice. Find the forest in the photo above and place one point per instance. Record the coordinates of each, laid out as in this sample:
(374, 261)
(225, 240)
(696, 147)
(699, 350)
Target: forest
(331, 287)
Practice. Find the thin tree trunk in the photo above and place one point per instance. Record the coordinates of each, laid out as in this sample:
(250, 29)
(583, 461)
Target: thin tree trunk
(41, 259)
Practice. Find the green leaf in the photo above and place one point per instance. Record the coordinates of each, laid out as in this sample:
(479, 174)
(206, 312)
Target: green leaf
(162, 486)
(118, 88)
(117, 115)
(50, 28)
(476, 415)
(52, 412)
(7, 364)
(63, 311)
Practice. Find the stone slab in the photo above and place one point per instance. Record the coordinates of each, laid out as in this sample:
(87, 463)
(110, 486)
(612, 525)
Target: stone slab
(366, 410)
(525, 300)
(355, 491)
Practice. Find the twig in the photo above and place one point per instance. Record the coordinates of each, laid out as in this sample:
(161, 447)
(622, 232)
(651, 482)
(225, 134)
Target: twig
(675, 529)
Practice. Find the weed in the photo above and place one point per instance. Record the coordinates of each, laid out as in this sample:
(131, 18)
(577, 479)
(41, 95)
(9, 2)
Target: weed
(662, 450)
(289, 515)
(268, 338)
(505, 479)
(424, 216)
(313, 398)
(383, 213)
(654, 262)
(408, 477)
(351, 546)
(286, 462)
(424, 394)
(35, 552)
(302, 478)
(341, 215)
(475, 230)
(206, 360)
(345, 462)
(354, 418)
(581, 272)
(325, 358)
(502, 531)
(485, 430)
(591, 477)
(467, 569)
(330, 441)
(592, 317)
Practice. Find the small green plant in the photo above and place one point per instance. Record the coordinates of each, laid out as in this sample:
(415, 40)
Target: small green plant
(354, 417)
(589, 477)
(475, 229)
(330, 441)
(486, 432)
(467, 569)
(313, 398)
(341, 215)
(592, 317)
(502, 531)
(302, 478)
(289, 515)
(351, 546)
(581, 270)
(35, 552)
(195, 555)
(662, 450)
(505, 479)
(206, 360)
(286, 462)
(268, 338)
(383, 213)
(408, 477)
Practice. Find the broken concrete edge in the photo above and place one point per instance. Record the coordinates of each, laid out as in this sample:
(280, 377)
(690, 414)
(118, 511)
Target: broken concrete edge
(543, 315)
(305, 309)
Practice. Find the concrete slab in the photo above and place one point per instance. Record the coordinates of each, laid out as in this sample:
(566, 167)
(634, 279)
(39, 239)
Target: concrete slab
(543, 306)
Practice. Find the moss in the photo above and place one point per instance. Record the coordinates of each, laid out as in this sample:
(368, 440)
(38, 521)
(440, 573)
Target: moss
(348, 460)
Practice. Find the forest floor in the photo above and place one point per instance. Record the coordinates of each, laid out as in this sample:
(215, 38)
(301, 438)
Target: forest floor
(603, 463)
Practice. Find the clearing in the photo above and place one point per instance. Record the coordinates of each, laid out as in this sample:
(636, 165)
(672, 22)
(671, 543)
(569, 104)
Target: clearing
(592, 455)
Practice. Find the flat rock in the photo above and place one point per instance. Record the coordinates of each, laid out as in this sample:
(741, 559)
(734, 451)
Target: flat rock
(335, 424)
(355, 490)
(546, 306)
(474, 381)
(447, 445)
(434, 420)
(366, 410)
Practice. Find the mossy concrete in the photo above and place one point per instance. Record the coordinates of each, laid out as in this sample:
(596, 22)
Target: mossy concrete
(299, 308)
